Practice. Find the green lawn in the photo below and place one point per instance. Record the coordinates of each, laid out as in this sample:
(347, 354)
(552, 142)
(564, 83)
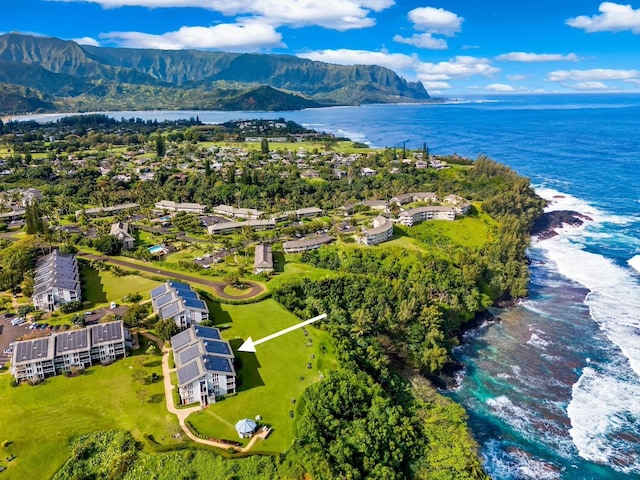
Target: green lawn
(270, 378)
(470, 231)
(102, 287)
(40, 421)
(293, 268)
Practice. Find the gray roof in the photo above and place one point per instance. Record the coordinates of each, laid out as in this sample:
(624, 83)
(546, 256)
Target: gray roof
(106, 332)
(72, 341)
(56, 270)
(28, 351)
(187, 354)
(308, 242)
(181, 339)
(263, 257)
(159, 290)
(191, 371)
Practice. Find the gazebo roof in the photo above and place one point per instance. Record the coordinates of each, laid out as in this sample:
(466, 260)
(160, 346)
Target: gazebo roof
(246, 426)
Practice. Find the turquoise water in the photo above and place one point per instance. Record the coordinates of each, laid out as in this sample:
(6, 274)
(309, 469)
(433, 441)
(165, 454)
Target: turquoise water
(155, 249)
(553, 389)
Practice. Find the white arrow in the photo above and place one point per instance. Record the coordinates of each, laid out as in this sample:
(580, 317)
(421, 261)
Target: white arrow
(250, 346)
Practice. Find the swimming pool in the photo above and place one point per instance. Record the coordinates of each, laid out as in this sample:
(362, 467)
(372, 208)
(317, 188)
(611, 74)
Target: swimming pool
(156, 248)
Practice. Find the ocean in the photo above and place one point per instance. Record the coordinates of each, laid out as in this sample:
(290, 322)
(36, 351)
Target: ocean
(552, 388)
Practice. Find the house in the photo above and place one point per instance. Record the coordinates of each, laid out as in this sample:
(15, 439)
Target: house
(380, 205)
(381, 232)
(100, 211)
(56, 281)
(298, 214)
(415, 215)
(204, 365)
(263, 261)
(367, 172)
(309, 243)
(59, 353)
(170, 206)
(246, 213)
(230, 227)
(179, 302)
(120, 230)
(414, 197)
(460, 204)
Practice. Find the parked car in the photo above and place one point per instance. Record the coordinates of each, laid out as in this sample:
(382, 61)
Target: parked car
(113, 305)
(8, 351)
(18, 321)
(89, 312)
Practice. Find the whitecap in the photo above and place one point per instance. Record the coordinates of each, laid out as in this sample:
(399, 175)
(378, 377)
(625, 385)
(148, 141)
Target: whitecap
(635, 262)
(602, 410)
(562, 201)
(538, 342)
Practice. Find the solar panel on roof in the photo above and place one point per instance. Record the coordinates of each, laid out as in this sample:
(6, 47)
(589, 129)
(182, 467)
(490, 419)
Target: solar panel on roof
(37, 349)
(158, 291)
(181, 339)
(187, 354)
(71, 341)
(217, 364)
(106, 332)
(189, 372)
(207, 332)
(219, 347)
(186, 294)
(163, 299)
(179, 286)
(193, 303)
(170, 310)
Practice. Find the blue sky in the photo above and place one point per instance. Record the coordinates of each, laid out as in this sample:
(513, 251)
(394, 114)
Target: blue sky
(455, 47)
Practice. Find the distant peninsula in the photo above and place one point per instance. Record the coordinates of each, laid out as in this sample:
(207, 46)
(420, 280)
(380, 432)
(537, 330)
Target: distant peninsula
(39, 74)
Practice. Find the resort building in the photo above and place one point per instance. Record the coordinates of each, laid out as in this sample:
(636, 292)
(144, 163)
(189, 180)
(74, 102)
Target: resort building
(298, 214)
(179, 302)
(56, 281)
(263, 261)
(420, 214)
(460, 204)
(231, 227)
(414, 197)
(169, 206)
(309, 243)
(59, 353)
(381, 232)
(120, 230)
(204, 365)
(246, 213)
(100, 211)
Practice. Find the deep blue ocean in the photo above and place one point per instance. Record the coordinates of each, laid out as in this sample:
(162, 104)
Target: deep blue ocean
(553, 389)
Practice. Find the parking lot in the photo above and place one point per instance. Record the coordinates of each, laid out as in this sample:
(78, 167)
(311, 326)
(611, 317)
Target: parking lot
(9, 333)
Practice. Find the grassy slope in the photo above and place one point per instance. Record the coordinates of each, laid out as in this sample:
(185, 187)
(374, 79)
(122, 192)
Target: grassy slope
(41, 420)
(270, 378)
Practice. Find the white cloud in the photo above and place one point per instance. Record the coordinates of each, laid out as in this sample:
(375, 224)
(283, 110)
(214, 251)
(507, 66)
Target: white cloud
(589, 86)
(537, 57)
(458, 67)
(516, 78)
(633, 81)
(86, 41)
(594, 75)
(434, 86)
(613, 18)
(436, 20)
(500, 87)
(423, 40)
(394, 61)
(250, 35)
(332, 14)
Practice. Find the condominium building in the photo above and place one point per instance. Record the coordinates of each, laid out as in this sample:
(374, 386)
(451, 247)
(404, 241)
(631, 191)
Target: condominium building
(56, 281)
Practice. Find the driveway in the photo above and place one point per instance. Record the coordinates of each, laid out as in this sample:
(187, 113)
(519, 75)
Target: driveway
(9, 333)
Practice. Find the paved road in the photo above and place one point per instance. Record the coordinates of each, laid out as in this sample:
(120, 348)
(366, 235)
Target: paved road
(218, 287)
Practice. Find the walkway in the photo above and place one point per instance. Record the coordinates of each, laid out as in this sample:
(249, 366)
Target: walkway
(218, 287)
(183, 413)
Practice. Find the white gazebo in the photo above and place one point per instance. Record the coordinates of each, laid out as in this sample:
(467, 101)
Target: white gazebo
(246, 427)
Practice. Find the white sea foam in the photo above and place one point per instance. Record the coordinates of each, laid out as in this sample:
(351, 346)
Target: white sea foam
(614, 297)
(517, 464)
(635, 262)
(538, 342)
(562, 201)
(600, 411)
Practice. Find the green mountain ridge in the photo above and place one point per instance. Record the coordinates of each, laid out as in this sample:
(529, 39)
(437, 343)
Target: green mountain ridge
(85, 76)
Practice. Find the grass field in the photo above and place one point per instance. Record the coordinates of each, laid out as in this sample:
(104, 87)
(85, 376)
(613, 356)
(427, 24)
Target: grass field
(470, 231)
(270, 378)
(102, 287)
(40, 421)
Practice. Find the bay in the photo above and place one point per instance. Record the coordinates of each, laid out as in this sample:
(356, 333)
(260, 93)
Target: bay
(553, 389)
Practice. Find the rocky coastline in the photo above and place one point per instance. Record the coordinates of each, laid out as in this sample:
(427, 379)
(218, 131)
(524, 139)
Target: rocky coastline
(545, 226)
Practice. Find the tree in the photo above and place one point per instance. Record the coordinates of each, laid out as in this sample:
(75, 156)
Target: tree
(160, 145)
(151, 350)
(107, 244)
(166, 328)
(264, 146)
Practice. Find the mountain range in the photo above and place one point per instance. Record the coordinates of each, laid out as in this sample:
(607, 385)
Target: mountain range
(50, 74)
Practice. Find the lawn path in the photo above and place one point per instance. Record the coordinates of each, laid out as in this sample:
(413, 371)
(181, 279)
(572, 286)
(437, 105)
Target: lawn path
(218, 287)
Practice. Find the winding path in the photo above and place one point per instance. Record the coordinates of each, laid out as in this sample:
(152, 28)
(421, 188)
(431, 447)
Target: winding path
(183, 413)
(218, 287)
